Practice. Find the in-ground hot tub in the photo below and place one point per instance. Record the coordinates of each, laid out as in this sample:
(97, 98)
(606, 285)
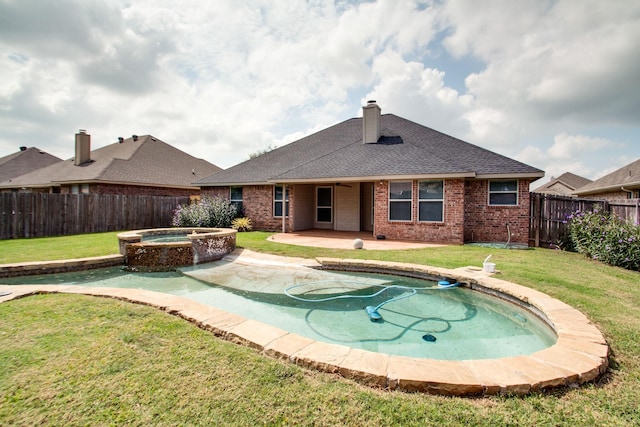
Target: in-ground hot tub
(163, 249)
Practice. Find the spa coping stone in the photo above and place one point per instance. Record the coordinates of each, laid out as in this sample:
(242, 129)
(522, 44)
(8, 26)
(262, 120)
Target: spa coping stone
(580, 354)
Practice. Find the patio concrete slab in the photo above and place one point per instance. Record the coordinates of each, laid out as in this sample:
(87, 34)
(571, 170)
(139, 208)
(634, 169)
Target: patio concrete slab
(344, 240)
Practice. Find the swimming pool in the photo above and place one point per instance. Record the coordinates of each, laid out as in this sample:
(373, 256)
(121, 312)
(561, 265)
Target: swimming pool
(464, 324)
(579, 354)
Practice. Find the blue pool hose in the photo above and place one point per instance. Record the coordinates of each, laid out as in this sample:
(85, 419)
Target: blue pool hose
(371, 311)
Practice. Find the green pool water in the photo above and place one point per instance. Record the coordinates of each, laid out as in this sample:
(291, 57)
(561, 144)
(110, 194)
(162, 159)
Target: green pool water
(465, 324)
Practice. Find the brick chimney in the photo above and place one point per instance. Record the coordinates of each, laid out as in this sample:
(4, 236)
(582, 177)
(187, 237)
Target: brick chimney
(83, 147)
(370, 123)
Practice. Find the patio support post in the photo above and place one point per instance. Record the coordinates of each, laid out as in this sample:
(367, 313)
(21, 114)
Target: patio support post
(284, 208)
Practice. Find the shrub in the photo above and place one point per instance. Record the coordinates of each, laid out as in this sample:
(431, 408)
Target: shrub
(603, 236)
(242, 224)
(207, 212)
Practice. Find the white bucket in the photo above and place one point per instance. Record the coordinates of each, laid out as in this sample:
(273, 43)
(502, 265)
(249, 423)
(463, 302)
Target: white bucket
(489, 267)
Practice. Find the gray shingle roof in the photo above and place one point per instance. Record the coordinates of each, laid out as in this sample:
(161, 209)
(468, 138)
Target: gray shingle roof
(405, 149)
(25, 161)
(563, 185)
(146, 161)
(627, 176)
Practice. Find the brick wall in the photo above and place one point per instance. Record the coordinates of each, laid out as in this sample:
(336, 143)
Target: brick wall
(484, 223)
(451, 230)
(223, 192)
(467, 215)
(257, 203)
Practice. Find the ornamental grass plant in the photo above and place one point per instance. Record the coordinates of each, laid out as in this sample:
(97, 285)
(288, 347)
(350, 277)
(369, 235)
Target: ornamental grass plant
(210, 212)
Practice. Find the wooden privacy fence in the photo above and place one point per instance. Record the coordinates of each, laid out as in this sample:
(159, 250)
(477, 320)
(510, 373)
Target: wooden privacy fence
(41, 215)
(549, 222)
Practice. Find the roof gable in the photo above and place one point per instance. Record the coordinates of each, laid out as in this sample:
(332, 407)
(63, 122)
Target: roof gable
(404, 149)
(24, 161)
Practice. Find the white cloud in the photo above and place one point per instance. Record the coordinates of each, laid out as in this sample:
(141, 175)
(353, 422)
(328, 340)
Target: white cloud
(566, 60)
(223, 79)
(567, 146)
(410, 90)
(570, 153)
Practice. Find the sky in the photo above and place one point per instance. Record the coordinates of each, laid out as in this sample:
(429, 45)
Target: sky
(554, 84)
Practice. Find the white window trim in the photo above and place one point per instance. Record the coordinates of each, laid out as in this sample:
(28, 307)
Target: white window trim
(489, 192)
(231, 199)
(324, 207)
(390, 200)
(285, 195)
(236, 201)
(431, 200)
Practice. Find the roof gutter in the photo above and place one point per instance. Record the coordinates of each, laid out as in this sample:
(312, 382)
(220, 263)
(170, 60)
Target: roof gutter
(138, 184)
(235, 184)
(464, 175)
(370, 178)
(609, 188)
(457, 175)
(29, 185)
(536, 175)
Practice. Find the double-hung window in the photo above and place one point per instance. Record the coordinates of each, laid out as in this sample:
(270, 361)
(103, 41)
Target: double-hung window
(80, 189)
(431, 201)
(280, 197)
(235, 198)
(400, 201)
(503, 192)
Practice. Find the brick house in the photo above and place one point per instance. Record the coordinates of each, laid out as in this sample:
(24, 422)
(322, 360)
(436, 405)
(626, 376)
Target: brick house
(386, 175)
(620, 184)
(139, 165)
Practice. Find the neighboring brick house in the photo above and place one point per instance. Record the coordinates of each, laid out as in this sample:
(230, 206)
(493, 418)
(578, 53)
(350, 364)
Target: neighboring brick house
(564, 185)
(620, 184)
(139, 165)
(24, 161)
(385, 175)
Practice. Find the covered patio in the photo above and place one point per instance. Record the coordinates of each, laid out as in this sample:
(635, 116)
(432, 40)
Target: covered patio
(344, 240)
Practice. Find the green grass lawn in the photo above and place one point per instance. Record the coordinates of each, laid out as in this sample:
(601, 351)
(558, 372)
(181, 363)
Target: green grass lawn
(78, 360)
(55, 248)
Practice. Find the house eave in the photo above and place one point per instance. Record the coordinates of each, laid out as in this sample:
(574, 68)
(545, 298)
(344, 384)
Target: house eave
(536, 175)
(48, 185)
(133, 183)
(333, 179)
(608, 188)
(324, 180)
(234, 184)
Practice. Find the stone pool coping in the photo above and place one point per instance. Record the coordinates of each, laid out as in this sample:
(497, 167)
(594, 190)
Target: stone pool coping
(59, 266)
(580, 354)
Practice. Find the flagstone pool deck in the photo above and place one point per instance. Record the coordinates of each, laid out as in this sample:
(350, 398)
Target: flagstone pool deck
(580, 354)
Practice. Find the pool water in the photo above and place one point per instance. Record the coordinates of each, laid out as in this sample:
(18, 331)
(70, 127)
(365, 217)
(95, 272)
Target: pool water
(164, 238)
(436, 323)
